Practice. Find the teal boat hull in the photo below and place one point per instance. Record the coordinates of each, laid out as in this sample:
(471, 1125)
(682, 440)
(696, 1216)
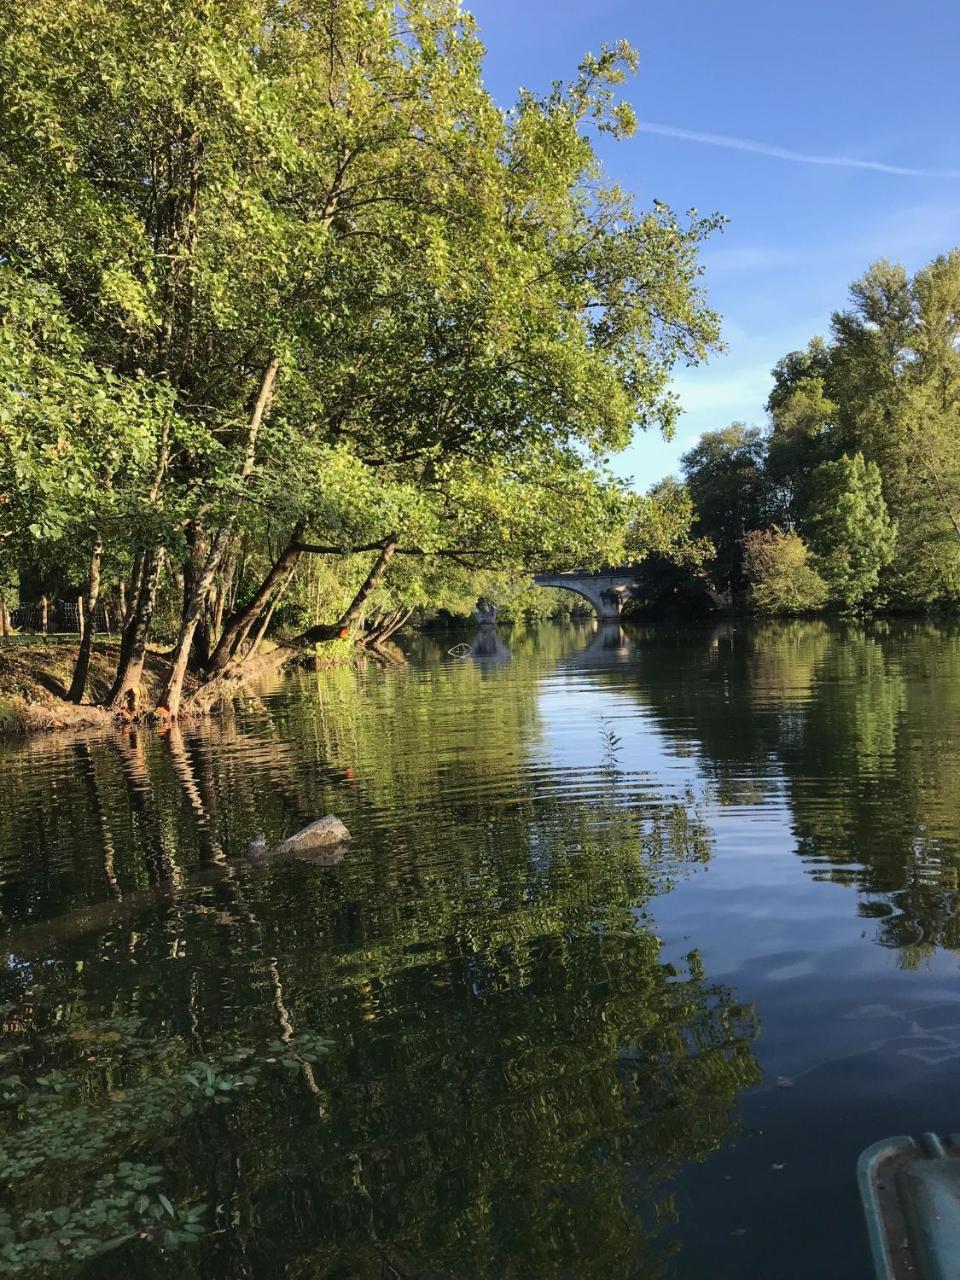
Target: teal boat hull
(910, 1189)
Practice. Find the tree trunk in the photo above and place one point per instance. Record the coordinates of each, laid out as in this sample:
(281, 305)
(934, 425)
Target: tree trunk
(350, 615)
(130, 613)
(353, 611)
(133, 647)
(4, 617)
(222, 593)
(78, 686)
(193, 564)
(192, 568)
(129, 603)
(239, 625)
(242, 638)
(269, 614)
(180, 658)
(44, 616)
(170, 701)
(387, 625)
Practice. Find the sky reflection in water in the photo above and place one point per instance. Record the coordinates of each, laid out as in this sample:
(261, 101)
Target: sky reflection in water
(640, 940)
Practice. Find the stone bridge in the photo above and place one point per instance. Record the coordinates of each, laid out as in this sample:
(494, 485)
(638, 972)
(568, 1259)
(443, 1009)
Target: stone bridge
(606, 590)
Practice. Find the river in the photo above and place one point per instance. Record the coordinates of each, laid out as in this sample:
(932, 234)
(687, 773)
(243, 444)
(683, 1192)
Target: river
(640, 939)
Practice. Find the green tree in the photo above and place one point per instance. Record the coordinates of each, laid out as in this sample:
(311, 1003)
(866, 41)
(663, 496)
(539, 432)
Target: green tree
(673, 564)
(663, 527)
(801, 418)
(849, 529)
(894, 379)
(887, 386)
(725, 476)
(777, 567)
(309, 224)
(76, 443)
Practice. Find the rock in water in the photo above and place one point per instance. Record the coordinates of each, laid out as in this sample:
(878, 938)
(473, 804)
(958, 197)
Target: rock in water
(322, 834)
(257, 848)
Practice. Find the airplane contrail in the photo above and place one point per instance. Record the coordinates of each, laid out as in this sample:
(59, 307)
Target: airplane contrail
(783, 153)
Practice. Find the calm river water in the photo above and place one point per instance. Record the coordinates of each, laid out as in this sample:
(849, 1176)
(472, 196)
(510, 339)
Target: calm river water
(640, 940)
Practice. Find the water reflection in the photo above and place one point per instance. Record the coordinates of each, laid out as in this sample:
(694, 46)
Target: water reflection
(516, 1074)
(856, 726)
(489, 645)
(609, 642)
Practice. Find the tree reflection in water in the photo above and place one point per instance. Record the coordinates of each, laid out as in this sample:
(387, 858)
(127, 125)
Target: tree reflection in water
(858, 723)
(515, 1075)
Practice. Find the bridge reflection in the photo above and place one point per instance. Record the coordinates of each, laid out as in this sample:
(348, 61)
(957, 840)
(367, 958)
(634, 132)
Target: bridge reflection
(608, 644)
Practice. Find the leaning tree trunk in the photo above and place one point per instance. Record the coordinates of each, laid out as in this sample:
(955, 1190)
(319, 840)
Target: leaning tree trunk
(222, 593)
(258, 639)
(170, 701)
(133, 645)
(350, 615)
(128, 601)
(129, 617)
(387, 625)
(241, 623)
(78, 686)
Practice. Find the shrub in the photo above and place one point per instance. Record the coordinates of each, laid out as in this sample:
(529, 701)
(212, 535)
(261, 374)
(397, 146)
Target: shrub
(780, 576)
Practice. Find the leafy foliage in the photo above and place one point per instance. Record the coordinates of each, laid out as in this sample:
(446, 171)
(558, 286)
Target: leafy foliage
(725, 478)
(326, 286)
(781, 578)
(860, 456)
(77, 1128)
(851, 534)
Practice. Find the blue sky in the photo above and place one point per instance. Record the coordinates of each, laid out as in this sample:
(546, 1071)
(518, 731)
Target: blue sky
(848, 79)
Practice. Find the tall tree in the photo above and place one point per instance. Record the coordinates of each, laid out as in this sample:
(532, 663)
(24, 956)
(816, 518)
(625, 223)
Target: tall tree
(307, 221)
(725, 475)
(886, 386)
(849, 528)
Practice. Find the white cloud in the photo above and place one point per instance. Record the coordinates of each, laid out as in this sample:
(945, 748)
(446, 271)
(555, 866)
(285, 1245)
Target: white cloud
(784, 153)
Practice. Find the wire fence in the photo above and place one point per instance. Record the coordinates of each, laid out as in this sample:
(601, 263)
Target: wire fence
(58, 616)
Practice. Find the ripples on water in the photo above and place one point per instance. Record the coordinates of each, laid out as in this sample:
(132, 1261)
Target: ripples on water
(639, 941)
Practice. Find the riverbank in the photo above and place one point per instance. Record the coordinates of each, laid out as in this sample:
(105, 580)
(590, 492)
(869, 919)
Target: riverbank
(35, 677)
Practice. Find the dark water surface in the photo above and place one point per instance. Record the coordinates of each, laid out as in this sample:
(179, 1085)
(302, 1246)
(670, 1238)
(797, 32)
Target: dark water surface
(640, 940)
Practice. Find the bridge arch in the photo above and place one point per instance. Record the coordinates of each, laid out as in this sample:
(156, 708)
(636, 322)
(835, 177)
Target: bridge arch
(605, 591)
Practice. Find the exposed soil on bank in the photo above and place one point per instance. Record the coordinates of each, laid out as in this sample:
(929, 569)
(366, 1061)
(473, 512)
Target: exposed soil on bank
(34, 679)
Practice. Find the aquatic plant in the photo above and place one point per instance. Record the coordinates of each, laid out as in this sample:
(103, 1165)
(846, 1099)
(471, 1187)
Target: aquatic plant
(77, 1140)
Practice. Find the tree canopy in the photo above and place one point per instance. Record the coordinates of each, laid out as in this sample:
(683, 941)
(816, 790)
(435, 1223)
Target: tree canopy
(340, 298)
(857, 471)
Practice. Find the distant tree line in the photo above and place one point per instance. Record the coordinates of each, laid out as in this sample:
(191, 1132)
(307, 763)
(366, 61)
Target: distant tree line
(849, 498)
